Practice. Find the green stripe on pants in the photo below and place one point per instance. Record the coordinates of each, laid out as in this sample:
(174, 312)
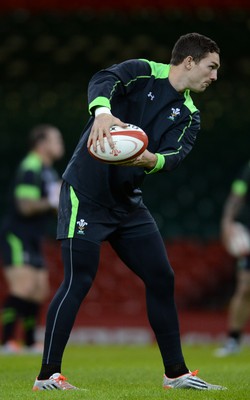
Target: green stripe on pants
(74, 210)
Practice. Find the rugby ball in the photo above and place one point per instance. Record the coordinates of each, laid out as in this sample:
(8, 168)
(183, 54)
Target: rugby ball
(238, 240)
(129, 143)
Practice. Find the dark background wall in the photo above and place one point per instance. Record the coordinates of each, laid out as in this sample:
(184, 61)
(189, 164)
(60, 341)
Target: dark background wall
(47, 58)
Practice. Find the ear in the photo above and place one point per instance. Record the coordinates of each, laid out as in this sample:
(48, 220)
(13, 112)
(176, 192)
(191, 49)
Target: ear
(189, 62)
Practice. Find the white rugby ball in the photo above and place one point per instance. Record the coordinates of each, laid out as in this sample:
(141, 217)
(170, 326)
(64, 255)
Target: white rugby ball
(129, 143)
(238, 241)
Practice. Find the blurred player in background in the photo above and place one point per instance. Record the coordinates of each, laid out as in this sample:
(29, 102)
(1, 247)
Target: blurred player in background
(33, 199)
(101, 202)
(235, 227)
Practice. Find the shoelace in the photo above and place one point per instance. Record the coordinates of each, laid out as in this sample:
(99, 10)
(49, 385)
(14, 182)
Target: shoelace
(62, 381)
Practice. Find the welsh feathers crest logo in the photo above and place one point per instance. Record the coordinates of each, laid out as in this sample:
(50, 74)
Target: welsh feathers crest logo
(115, 152)
(174, 114)
(81, 226)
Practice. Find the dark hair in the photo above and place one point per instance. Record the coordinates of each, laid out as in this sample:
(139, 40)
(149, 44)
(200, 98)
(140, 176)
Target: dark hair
(194, 45)
(38, 134)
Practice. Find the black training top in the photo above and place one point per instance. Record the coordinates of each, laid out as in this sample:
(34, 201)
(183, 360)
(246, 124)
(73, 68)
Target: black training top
(241, 187)
(31, 182)
(137, 92)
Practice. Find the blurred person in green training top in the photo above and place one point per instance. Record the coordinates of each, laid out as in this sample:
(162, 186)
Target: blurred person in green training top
(34, 197)
(235, 226)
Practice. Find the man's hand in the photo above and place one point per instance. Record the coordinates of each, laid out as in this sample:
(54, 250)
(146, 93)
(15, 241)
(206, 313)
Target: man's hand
(101, 127)
(236, 239)
(146, 159)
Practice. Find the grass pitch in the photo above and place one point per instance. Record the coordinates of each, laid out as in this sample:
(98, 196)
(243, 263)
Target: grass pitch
(126, 372)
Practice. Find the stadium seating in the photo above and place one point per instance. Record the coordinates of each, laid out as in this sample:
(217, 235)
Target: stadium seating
(118, 296)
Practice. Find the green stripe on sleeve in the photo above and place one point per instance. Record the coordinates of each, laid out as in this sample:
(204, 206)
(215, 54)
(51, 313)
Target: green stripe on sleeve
(239, 187)
(24, 191)
(74, 210)
(16, 247)
(185, 128)
(159, 164)
(99, 102)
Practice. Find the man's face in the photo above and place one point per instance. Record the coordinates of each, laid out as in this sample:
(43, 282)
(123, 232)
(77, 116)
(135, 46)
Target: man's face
(54, 144)
(203, 73)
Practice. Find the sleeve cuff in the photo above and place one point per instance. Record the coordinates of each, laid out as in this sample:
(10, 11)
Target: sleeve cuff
(159, 164)
(99, 102)
(102, 110)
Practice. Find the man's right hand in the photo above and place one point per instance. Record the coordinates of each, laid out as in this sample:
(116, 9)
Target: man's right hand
(101, 127)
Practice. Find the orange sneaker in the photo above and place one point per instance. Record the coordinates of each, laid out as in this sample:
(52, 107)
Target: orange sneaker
(56, 381)
(189, 381)
(11, 347)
